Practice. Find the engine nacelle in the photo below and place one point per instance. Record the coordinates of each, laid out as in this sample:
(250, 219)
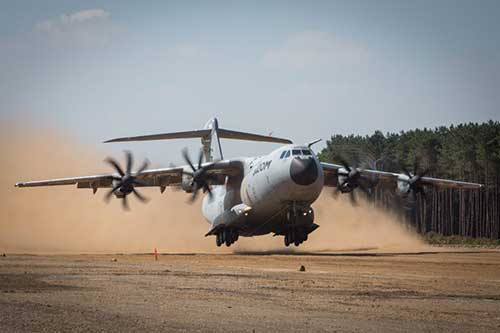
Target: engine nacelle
(187, 184)
(403, 187)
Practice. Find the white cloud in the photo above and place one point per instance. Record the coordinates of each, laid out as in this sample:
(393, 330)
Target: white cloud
(313, 49)
(66, 20)
(91, 27)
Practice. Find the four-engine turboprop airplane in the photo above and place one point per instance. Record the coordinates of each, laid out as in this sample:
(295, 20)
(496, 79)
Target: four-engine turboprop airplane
(250, 196)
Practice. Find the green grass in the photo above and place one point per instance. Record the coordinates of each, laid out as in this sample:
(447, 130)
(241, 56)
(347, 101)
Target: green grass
(436, 239)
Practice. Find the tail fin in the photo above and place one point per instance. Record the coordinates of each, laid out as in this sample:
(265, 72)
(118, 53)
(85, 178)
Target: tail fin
(212, 142)
(210, 136)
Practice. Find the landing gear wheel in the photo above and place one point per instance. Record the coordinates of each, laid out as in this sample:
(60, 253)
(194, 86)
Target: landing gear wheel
(218, 240)
(287, 241)
(228, 237)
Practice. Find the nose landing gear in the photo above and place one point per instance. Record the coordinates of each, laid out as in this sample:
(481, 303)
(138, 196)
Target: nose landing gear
(295, 236)
(227, 236)
(299, 225)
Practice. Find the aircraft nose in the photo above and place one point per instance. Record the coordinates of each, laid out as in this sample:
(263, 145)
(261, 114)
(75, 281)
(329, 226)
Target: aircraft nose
(303, 171)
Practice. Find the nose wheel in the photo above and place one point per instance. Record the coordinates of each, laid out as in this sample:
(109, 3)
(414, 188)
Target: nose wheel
(299, 225)
(295, 236)
(226, 236)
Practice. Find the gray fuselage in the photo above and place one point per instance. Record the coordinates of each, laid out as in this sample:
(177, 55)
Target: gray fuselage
(276, 187)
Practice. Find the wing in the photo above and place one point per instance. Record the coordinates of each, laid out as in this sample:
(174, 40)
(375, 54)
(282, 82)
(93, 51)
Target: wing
(332, 171)
(162, 177)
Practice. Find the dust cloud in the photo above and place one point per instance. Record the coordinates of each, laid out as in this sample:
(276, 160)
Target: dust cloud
(68, 220)
(347, 228)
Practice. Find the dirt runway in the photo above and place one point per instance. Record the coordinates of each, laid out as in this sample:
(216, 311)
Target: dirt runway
(344, 291)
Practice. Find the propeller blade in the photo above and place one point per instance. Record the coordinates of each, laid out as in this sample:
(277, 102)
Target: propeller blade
(187, 159)
(206, 187)
(143, 167)
(364, 189)
(200, 159)
(336, 192)
(130, 161)
(412, 196)
(140, 196)
(195, 194)
(353, 199)
(345, 164)
(115, 164)
(424, 173)
(108, 195)
(110, 192)
(422, 192)
(125, 203)
(415, 165)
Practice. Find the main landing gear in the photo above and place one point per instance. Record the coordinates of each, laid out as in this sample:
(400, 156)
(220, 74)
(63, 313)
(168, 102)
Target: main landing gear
(227, 236)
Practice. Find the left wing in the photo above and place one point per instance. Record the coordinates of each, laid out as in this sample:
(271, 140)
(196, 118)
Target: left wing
(162, 177)
(333, 171)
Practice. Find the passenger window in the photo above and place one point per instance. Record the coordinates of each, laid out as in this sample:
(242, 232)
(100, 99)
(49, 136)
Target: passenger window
(295, 152)
(287, 154)
(283, 154)
(306, 152)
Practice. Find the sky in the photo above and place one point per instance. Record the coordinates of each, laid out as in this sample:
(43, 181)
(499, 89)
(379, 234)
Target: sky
(299, 69)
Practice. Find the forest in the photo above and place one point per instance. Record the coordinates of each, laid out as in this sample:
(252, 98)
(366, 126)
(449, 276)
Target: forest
(468, 152)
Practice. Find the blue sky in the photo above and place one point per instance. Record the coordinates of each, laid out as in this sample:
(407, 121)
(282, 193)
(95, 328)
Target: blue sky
(303, 70)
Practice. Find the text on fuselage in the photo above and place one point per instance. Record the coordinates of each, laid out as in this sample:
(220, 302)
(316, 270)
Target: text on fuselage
(262, 166)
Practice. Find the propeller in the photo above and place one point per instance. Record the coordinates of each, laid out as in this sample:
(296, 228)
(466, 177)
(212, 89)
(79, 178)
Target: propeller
(415, 185)
(354, 179)
(200, 179)
(124, 184)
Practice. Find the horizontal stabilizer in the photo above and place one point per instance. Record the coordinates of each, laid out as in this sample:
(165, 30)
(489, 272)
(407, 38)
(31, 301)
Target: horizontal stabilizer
(204, 133)
(228, 134)
(165, 136)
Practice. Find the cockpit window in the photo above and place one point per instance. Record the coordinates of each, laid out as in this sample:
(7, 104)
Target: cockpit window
(283, 154)
(295, 152)
(306, 152)
(287, 154)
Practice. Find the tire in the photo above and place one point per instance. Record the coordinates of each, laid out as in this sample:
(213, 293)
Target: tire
(217, 240)
(287, 241)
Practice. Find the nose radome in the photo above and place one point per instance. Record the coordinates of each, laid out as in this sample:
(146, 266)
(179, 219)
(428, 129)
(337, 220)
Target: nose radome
(303, 171)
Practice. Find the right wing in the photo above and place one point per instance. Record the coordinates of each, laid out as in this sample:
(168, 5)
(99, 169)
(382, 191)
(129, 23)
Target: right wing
(332, 171)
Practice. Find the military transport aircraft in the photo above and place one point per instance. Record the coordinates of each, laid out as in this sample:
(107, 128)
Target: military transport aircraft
(249, 196)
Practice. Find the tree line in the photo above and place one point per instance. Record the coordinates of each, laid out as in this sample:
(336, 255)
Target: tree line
(468, 152)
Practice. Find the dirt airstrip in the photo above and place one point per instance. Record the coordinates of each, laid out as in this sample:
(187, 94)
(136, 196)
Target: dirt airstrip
(254, 291)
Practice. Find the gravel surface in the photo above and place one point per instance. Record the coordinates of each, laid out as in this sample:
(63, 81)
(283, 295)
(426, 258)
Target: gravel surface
(457, 290)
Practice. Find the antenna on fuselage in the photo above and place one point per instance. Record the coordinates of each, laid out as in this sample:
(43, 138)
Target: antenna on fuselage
(313, 142)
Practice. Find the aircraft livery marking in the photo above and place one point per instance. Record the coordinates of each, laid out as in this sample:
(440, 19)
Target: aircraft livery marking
(262, 166)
